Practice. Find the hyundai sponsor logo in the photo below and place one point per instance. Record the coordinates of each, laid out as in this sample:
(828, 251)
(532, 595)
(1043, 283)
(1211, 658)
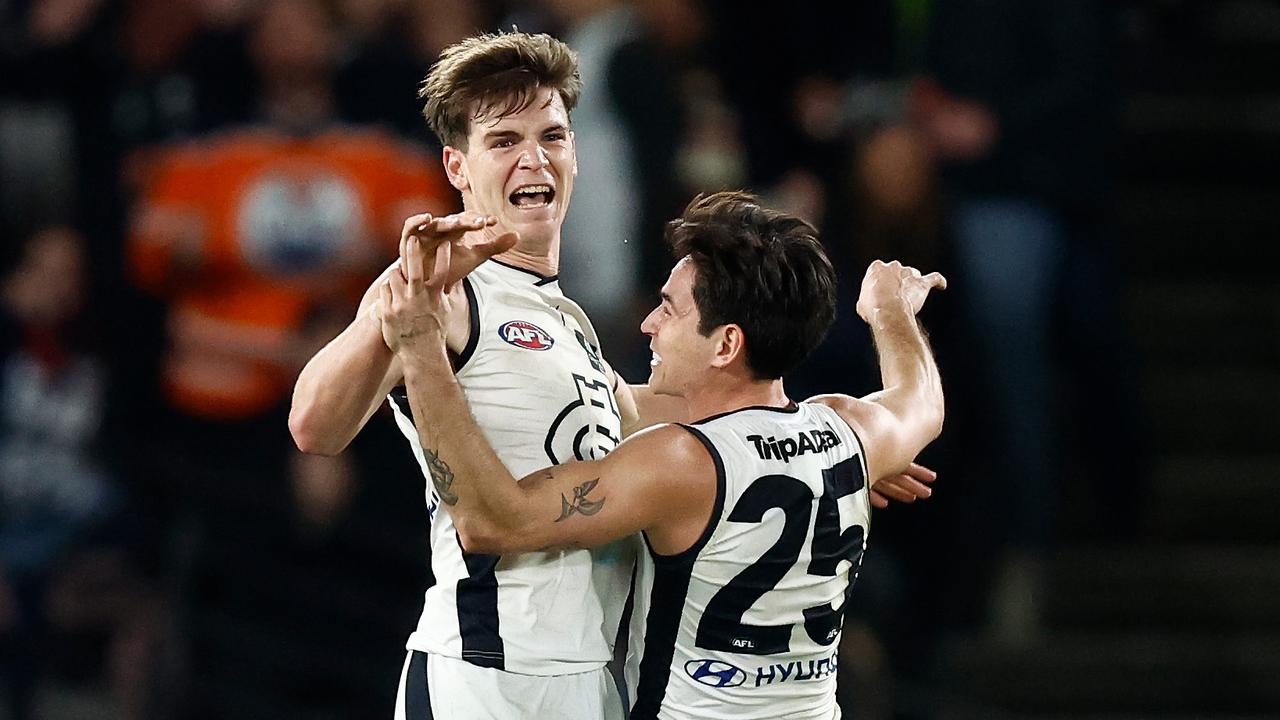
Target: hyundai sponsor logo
(716, 673)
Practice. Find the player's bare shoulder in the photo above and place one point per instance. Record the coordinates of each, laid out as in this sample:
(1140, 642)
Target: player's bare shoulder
(667, 449)
(846, 406)
(864, 417)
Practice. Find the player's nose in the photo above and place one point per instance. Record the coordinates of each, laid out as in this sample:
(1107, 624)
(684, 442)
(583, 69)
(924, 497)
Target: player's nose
(648, 326)
(534, 158)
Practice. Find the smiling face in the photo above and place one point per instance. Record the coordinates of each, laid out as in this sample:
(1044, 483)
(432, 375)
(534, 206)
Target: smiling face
(519, 168)
(681, 354)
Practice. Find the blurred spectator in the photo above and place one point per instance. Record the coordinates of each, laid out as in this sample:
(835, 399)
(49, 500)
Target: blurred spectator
(252, 234)
(258, 239)
(627, 126)
(41, 45)
(66, 536)
(1017, 109)
(388, 47)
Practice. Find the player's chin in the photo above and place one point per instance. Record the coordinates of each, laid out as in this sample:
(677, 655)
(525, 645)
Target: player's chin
(535, 224)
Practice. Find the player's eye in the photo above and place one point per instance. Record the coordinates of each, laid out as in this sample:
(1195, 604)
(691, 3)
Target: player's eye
(555, 136)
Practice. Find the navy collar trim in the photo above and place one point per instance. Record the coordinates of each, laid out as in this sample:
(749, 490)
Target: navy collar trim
(542, 279)
(790, 409)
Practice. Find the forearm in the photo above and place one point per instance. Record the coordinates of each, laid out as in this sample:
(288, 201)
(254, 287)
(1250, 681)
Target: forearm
(482, 495)
(340, 387)
(912, 384)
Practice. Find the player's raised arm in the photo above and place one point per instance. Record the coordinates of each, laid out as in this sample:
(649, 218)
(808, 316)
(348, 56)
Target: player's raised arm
(896, 423)
(649, 477)
(343, 384)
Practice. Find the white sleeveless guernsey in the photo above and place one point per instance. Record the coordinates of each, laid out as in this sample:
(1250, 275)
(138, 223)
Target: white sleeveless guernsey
(746, 623)
(532, 374)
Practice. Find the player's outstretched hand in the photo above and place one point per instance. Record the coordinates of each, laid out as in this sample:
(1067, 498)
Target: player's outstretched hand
(474, 238)
(414, 303)
(907, 487)
(891, 284)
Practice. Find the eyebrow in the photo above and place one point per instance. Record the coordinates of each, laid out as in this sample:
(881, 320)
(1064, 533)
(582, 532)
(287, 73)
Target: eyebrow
(497, 134)
(494, 134)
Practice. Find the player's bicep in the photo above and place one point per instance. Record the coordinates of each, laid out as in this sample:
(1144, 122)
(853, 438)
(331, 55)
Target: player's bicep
(886, 438)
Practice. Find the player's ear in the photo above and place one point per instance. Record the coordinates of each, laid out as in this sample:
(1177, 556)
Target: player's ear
(730, 346)
(455, 168)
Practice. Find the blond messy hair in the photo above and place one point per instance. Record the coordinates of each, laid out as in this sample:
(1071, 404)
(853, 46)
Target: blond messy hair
(495, 75)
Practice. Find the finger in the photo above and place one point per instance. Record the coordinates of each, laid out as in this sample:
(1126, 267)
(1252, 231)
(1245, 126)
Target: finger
(914, 487)
(396, 284)
(878, 500)
(475, 221)
(461, 222)
(412, 225)
(920, 472)
(490, 246)
(440, 271)
(442, 225)
(413, 265)
(890, 489)
(936, 280)
(384, 300)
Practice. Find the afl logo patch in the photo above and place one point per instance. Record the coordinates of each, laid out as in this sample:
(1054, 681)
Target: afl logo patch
(715, 673)
(525, 335)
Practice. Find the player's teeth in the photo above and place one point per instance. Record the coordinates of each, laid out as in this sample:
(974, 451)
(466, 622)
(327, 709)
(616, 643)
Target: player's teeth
(656, 360)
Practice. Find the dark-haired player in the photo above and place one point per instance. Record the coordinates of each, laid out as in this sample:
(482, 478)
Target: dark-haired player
(754, 518)
(514, 635)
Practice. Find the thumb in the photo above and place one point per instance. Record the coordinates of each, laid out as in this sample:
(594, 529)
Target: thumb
(497, 244)
(935, 280)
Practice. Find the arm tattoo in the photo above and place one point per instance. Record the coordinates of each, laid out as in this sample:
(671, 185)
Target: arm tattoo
(441, 477)
(580, 503)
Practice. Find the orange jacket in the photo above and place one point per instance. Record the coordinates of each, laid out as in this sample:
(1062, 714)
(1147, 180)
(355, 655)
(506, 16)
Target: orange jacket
(249, 233)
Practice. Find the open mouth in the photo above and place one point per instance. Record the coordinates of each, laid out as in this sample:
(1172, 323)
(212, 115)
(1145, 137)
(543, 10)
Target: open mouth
(655, 361)
(532, 196)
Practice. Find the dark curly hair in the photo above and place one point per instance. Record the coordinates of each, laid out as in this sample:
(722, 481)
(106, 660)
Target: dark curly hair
(760, 269)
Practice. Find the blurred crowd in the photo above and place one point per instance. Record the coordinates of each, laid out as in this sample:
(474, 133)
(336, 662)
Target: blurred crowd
(193, 194)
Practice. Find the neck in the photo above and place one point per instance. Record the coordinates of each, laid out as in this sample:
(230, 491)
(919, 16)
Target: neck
(714, 400)
(533, 254)
(545, 262)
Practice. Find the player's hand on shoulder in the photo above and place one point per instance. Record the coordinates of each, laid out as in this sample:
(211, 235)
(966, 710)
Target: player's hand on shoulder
(894, 285)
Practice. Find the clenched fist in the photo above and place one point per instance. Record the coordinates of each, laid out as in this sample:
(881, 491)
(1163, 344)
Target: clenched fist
(893, 284)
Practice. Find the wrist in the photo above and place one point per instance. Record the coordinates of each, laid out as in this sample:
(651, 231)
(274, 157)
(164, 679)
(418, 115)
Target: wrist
(424, 352)
(891, 311)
